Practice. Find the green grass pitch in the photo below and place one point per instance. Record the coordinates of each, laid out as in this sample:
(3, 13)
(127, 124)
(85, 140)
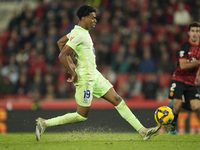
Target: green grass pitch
(97, 141)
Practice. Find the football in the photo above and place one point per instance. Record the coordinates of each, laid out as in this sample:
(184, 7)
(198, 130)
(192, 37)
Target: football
(164, 115)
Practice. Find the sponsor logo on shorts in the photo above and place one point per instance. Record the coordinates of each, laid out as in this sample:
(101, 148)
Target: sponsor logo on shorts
(171, 93)
(85, 101)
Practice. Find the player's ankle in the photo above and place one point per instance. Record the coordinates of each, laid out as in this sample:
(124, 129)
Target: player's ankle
(46, 123)
(141, 130)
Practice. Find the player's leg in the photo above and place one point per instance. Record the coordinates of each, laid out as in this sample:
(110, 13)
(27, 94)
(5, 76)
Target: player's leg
(193, 98)
(171, 104)
(171, 94)
(176, 110)
(185, 105)
(121, 107)
(79, 116)
(176, 92)
(126, 113)
(104, 89)
(190, 95)
(195, 105)
(83, 98)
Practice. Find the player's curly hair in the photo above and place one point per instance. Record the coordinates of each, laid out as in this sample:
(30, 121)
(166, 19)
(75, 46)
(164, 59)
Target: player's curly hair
(193, 24)
(85, 10)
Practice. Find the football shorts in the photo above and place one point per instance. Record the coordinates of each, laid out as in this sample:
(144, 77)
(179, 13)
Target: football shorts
(180, 90)
(85, 89)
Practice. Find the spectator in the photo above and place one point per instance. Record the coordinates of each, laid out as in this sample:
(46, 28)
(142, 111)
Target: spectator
(169, 12)
(39, 38)
(134, 86)
(52, 70)
(21, 87)
(147, 64)
(116, 41)
(64, 91)
(10, 48)
(103, 55)
(14, 21)
(2, 57)
(50, 92)
(51, 55)
(165, 65)
(159, 46)
(37, 85)
(11, 71)
(109, 74)
(119, 65)
(6, 88)
(132, 59)
(195, 12)
(118, 37)
(150, 86)
(181, 16)
(22, 57)
(37, 62)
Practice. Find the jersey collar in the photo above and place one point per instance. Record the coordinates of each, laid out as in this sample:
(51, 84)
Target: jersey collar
(192, 43)
(79, 27)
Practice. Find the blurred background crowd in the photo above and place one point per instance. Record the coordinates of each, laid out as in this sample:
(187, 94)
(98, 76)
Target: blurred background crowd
(136, 44)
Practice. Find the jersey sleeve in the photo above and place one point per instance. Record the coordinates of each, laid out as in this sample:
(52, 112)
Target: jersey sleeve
(68, 35)
(183, 51)
(74, 40)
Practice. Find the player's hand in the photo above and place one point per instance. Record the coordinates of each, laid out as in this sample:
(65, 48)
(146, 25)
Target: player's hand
(73, 79)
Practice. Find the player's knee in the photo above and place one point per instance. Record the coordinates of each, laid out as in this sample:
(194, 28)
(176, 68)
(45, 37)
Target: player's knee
(80, 118)
(195, 108)
(118, 99)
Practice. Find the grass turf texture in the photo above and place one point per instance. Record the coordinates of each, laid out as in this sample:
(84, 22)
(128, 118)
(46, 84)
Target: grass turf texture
(97, 141)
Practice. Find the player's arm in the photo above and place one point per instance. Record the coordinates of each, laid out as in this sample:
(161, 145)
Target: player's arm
(184, 64)
(66, 61)
(61, 43)
(183, 58)
(197, 82)
(71, 62)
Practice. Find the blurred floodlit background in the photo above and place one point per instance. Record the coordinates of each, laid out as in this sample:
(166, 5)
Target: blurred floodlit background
(136, 44)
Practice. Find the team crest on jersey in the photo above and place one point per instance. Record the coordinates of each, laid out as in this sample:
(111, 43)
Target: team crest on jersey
(71, 38)
(182, 53)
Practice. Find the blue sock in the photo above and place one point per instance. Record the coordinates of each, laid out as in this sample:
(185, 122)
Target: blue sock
(171, 104)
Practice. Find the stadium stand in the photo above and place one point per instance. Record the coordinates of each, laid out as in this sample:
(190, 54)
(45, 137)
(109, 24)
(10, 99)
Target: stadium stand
(130, 34)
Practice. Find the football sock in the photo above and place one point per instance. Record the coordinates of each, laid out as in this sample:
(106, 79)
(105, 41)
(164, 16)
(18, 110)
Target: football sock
(65, 119)
(171, 104)
(126, 113)
(174, 122)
